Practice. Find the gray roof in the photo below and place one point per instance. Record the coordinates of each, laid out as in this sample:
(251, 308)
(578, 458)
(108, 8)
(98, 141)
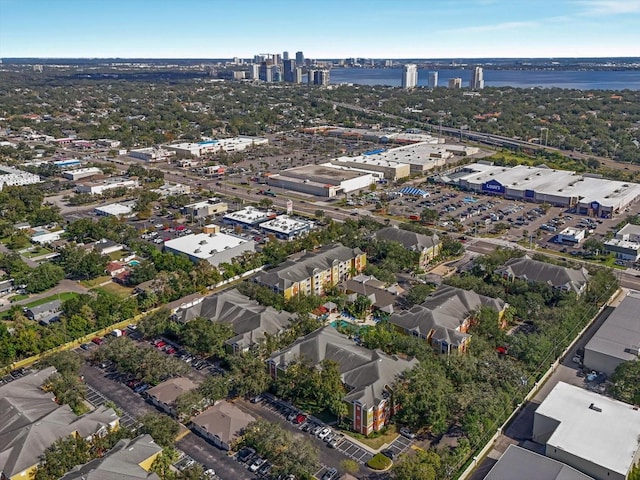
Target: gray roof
(293, 271)
(167, 392)
(380, 298)
(518, 462)
(411, 240)
(249, 320)
(30, 421)
(443, 313)
(368, 373)
(121, 462)
(44, 309)
(542, 272)
(620, 332)
(224, 420)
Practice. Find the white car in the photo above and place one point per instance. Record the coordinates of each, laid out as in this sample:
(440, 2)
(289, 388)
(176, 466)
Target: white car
(323, 433)
(257, 463)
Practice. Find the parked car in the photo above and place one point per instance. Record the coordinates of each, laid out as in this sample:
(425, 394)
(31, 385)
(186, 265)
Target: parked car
(330, 474)
(337, 440)
(299, 419)
(245, 454)
(256, 464)
(388, 453)
(323, 433)
(97, 340)
(257, 399)
(405, 432)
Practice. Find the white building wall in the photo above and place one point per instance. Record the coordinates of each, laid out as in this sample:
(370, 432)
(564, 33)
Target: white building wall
(582, 464)
(356, 183)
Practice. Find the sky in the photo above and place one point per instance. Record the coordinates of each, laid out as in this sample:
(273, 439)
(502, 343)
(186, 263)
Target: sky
(321, 29)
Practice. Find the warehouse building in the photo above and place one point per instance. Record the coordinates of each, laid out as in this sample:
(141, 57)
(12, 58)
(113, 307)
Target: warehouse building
(588, 195)
(215, 248)
(81, 173)
(325, 180)
(99, 187)
(285, 228)
(198, 149)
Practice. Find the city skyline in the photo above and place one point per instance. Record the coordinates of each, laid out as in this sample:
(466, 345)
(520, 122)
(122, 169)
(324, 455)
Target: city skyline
(372, 29)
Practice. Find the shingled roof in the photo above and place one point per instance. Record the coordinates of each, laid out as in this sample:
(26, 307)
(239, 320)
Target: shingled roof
(249, 320)
(531, 270)
(293, 271)
(410, 240)
(368, 373)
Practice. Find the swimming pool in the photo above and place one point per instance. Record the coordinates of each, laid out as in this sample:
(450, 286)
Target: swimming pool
(133, 263)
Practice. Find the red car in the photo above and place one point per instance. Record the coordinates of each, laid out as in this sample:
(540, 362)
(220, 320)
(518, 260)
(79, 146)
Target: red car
(160, 344)
(97, 340)
(299, 419)
(170, 350)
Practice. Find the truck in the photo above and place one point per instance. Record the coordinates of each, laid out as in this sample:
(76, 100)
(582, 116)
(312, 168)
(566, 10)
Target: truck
(117, 332)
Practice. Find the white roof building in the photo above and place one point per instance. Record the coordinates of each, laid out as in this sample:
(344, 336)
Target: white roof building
(283, 226)
(97, 188)
(248, 217)
(197, 149)
(592, 433)
(114, 210)
(81, 173)
(215, 248)
(12, 176)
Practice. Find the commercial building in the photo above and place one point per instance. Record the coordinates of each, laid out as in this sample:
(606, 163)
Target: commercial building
(366, 374)
(150, 154)
(534, 271)
(432, 80)
(409, 76)
(586, 194)
(589, 432)
(285, 228)
(251, 322)
(455, 82)
(248, 217)
(106, 142)
(327, 180)
(444, 318)
(169, 189)
(115, 210)
(99, 187)
(314, 271)
(206, 208)
(198, 149)
(31, 421)
(626, 244)
(222, 424)
(10, 176)
(477, 79)
(618, 339)
(214, 248)
(127, 460)
(571, 235)
(428, 246)
(81, 173)
(389, 169)
(519, 463)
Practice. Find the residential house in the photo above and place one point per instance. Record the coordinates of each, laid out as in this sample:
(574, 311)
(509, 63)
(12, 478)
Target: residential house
(444, 318)
(6, 286)
(222, 424)
(250, 321)
(588, 431)
(106, 247)
(31, 421)
(116, 268)
(127, 460)
(517, 462)
(534, 271)
(46, 313)
(165, 394)
(429, 246)
(618, 338)
(313, 271)
(368, 375)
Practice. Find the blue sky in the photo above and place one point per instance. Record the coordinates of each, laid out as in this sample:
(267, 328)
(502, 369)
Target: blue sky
(322, 29)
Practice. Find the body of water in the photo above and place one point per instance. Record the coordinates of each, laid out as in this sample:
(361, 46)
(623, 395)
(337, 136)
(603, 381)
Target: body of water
(571, 79)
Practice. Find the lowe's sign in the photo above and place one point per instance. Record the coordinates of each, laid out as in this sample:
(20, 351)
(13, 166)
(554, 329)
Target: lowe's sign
(493, 186)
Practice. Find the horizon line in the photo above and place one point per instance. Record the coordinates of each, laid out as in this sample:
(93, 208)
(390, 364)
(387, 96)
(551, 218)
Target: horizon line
(315, 58)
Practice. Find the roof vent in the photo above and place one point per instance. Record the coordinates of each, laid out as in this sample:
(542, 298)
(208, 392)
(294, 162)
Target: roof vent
(594, 408)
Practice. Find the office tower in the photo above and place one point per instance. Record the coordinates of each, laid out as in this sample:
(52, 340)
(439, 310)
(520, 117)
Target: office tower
(299, 58)
(265, 72)
(410, 76)
(288, 70)
(455, 82)
(285, 56)
(254, 71)
(276, 75)
(258, 59)
(277, 59)
(311, 76)
(297, 75)
(477, 79)
(388, 63)
(433, 80)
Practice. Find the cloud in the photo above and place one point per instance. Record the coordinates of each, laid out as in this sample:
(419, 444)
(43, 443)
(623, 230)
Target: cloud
(608, 7)
(496, 27)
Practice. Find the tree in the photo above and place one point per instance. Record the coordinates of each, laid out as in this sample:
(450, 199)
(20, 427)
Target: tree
(214, 388)
(163, 462)
(421, 466)
(350, 466)
(163, 429)
(249, 374)
(206, 337)
(428, 215)
(188, 404)
(593, 245)
(418, 293)
(626, 382)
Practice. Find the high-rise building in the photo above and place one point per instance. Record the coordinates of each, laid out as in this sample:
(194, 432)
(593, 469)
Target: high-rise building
(477, 79)
(321, 77)
(455, 82)
(285, 56)
(277, 59)
(433, 80)
(297, 75)
(288, 68)
(311, 76)
(276, 75)
(409, 76)
(265, 72)
(254, 71)
(299, 58)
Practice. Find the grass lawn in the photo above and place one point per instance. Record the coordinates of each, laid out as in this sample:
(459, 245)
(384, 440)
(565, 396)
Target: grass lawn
(62, 297)
(17, 298)
(36, 252)
(115, 256)
(96, 281)
(375, 441)
(116, 289)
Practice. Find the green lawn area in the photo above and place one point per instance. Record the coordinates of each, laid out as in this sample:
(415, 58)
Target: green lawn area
(37, 252)
(95, 281)
(62, 297)
(17, 298)
(115, 256)
(375, 441)
(116, 289)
